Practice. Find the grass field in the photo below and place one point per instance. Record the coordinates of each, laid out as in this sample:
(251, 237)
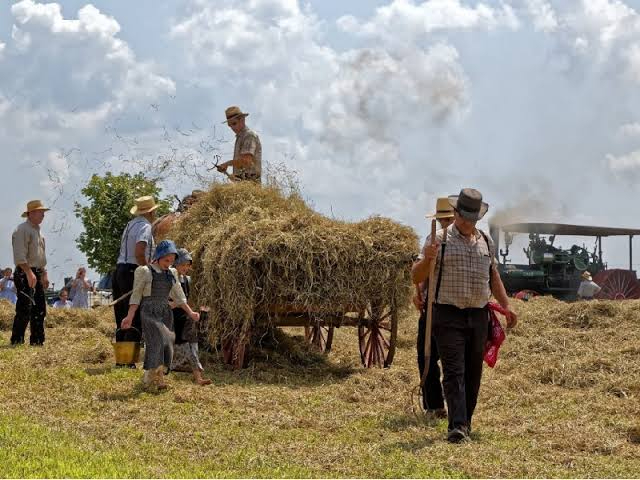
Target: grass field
(563, 401)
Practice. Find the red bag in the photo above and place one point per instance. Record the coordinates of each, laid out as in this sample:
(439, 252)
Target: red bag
(496, 335)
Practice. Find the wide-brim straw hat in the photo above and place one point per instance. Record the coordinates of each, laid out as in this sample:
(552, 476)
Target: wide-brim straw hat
(586, 276)
(443, 209)
(233, 112)
(33, 206)
(144, 205)
(469, 204)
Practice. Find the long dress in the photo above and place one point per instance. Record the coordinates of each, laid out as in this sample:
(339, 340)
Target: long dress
(157, 321)
(80, 295)
(185, 355)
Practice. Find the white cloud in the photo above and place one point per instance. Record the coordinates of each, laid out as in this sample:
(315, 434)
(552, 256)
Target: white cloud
(629, 130)
(404, 18)
(543, 15)
(624, 163)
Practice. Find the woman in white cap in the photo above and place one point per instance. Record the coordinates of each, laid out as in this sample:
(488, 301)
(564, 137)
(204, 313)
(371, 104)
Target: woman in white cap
(185, 355)
(152, 287)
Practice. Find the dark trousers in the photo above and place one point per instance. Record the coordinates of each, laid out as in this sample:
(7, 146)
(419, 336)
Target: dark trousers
(121, 283)
(30, 307)
(461, 336)
(432, 389)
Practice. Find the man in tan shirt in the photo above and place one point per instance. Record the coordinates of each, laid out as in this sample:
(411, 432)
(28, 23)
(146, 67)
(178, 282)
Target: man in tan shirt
(30, 276)
(247, 152)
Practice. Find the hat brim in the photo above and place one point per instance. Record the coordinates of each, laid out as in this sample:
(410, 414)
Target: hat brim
(26, 214)
(471, 216)
(134, 210)
(235, 116)
(439, 216)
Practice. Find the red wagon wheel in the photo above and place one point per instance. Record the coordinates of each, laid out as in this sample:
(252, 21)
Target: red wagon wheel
(377, 334)
(617, 285)
(319, 336)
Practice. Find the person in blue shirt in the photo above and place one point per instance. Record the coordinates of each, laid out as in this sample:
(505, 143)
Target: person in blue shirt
(8, 290)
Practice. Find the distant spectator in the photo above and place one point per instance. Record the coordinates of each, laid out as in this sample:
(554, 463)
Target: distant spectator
(588, 288)
(80, 289)
(8, 290)
(63, 301)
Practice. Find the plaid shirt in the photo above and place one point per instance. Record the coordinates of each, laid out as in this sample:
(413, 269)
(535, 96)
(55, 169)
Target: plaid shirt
(465, 278)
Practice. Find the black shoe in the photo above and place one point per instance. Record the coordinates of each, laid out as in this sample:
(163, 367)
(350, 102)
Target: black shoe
(17, 342)
(37, 344)
(131, 366)
(457, 435)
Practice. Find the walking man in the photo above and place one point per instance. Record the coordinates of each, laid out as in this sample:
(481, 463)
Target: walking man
(432, 396)
(465, 277)
(30, 276)
(247, 153)
(136, 249)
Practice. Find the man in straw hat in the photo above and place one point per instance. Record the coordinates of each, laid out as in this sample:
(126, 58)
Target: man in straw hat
(588, 288)
(432, 397)
(30, 275)
(136, 249)
(465, 276)
(247, 153)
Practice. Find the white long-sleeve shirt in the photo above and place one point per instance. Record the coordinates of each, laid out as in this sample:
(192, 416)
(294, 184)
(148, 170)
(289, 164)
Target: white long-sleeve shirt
(588, 289)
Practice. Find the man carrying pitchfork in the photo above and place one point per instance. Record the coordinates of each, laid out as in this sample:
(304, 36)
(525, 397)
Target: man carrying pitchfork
(247, 152)
(462, 275)
(30, 276)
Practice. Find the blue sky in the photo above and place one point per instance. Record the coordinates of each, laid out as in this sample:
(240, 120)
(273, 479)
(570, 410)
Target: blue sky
(379, 106)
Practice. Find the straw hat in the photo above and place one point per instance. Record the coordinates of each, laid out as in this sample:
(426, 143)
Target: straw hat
(469, 204)
(586, 276)
(34, 205)
(443, 209)
(144, 205)
(233, 112)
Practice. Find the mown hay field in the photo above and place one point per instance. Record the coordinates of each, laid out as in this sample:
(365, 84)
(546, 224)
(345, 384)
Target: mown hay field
(563, 401)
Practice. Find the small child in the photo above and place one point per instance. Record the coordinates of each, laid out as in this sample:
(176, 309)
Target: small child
(153, 285)
(186, 349)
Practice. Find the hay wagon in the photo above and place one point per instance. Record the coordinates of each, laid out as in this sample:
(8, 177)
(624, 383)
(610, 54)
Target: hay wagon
(376, 324)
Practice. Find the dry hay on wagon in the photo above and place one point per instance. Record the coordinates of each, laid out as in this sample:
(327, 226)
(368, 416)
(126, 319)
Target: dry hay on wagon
(259, 253)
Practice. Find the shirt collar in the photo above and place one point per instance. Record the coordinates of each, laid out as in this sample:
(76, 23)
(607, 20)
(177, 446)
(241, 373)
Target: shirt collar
(242, 132)
(35, 227)
(456, 232)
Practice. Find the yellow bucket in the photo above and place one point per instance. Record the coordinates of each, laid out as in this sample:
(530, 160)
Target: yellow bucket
(126, 352)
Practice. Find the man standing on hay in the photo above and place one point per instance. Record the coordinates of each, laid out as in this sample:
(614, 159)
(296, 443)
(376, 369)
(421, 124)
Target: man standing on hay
(466, 276)
(432, 397)
(247, 152)
(136, 249)
(30, 276)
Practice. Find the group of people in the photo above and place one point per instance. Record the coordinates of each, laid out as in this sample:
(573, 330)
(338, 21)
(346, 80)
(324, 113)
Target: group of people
(151, 287)
(75, 293)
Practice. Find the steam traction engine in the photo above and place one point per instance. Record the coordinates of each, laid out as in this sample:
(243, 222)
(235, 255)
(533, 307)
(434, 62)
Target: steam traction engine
(557, 271)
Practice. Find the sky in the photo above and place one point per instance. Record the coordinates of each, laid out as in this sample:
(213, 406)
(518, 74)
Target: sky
(379, 106)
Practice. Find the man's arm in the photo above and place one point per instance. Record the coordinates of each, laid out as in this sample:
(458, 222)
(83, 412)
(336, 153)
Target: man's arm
(500, 293)
(141, 253)
(245, 161)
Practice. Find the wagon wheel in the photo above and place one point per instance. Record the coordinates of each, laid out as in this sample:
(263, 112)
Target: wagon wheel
(319, 336)
(377, 335)
(617, 285)
(234, 349)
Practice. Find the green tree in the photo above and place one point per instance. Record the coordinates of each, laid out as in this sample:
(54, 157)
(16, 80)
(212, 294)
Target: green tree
(110, 198)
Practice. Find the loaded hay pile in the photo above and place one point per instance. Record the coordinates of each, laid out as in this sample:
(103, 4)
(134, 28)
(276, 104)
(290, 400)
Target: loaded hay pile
(255, 248)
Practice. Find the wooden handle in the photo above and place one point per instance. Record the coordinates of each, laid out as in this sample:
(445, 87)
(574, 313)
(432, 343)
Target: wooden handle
(430, 295)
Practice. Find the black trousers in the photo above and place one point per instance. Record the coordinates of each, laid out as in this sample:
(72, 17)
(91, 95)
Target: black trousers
(121, 283)
(461, 335)
(432, 397)
(31, 307)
